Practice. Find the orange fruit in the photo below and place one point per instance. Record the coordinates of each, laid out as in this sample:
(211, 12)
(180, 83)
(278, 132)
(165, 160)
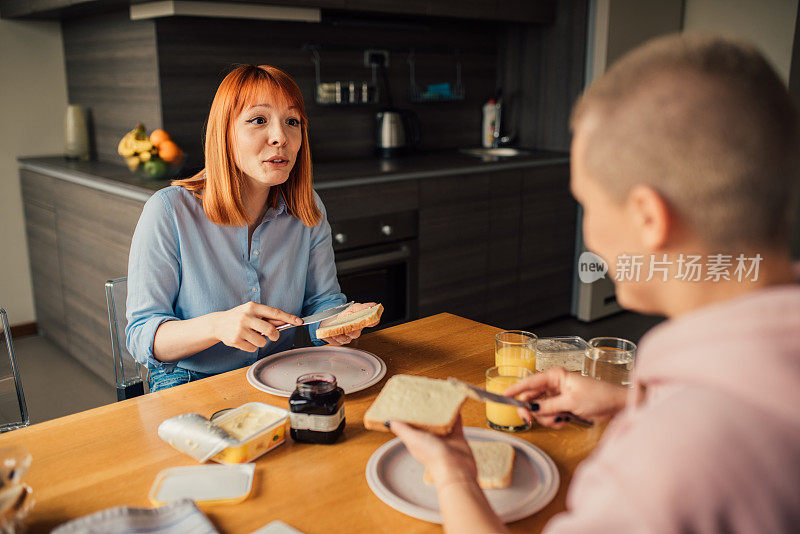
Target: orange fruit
(169, 151)
(158, 136)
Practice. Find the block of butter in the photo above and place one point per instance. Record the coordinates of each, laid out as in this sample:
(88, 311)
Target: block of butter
(257, 428)
(237, 436)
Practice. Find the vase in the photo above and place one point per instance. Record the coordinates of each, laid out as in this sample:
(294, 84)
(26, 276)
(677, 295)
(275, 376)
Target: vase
(76, 133)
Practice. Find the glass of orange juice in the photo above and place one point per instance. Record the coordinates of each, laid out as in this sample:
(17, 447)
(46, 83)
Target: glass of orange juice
(502, 416)
(515, 348)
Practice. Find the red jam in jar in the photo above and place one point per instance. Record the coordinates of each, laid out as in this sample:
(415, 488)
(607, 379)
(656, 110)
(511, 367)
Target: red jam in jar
(317, 409)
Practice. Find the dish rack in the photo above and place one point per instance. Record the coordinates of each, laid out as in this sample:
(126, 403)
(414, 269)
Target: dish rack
(342, 93)
(439, 92)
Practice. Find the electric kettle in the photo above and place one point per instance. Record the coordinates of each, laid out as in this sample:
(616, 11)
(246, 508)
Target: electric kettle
(397, 132)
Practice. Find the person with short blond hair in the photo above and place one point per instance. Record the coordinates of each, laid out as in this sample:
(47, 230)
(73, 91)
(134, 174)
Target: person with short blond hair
(219, 260)
(686, 148)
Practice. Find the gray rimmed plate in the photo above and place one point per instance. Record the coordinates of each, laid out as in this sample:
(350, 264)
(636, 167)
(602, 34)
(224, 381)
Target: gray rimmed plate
(395, 477)
(354, 369)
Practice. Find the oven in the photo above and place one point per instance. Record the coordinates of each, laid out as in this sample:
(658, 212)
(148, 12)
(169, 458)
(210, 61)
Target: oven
(376, 261)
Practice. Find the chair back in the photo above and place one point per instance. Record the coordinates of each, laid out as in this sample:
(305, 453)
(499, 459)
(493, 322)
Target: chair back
(130, 377)
(13, 410)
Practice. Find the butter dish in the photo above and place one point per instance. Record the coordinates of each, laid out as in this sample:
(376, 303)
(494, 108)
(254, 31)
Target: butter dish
(238, 436)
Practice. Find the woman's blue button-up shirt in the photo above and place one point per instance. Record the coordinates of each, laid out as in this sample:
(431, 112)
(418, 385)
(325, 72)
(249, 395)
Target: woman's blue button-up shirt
(182, 266)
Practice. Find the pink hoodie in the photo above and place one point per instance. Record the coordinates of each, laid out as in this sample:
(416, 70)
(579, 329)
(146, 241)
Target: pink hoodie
(715, 447)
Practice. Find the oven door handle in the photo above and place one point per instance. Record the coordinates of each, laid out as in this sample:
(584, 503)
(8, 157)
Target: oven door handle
(385, 258)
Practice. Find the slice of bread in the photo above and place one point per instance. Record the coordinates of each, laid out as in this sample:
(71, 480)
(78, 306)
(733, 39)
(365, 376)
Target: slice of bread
(495, 461)
(423, 402)
(343, 324)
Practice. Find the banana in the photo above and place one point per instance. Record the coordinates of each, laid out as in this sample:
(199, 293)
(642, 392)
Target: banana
(142, 145)
(135, 142)
(125, 146)
(132, 162)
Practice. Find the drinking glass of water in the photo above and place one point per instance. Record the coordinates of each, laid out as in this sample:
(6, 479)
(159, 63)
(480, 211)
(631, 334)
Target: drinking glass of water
(610, 359)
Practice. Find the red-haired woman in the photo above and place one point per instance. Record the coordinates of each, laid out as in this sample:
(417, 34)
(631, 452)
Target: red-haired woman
(219, 260)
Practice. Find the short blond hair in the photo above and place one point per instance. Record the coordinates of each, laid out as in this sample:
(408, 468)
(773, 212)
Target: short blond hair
(707, 123)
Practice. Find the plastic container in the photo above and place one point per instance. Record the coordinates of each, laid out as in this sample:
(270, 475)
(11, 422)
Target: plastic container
(567, 352)
(256, 426)
(204, 484)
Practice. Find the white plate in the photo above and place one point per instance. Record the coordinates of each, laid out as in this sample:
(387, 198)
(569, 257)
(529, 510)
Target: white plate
(396, 478)
(354, 369)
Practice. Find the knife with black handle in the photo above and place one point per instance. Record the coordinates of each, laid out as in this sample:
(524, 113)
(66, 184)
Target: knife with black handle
(485, 396)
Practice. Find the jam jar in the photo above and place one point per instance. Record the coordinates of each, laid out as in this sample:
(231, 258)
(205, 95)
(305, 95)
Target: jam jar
(317, 409)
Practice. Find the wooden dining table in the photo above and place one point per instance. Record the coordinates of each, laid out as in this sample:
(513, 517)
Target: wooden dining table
(109, 456)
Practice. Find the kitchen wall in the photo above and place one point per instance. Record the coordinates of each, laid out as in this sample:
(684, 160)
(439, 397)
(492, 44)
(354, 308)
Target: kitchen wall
(32, 105)
(112, 70)
(195, 54)
(770, 24)
(541, 71)
(164, 72)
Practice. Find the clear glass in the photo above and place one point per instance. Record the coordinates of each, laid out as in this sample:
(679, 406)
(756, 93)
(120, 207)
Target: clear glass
(610, 359)
(502, 416)
(516, 348)
(567, 352)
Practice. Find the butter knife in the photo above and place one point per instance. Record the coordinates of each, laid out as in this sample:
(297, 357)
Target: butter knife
(485, 396)
(317, 317)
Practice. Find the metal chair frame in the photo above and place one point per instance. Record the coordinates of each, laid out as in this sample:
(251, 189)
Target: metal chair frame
(23, 407)
(130, 377)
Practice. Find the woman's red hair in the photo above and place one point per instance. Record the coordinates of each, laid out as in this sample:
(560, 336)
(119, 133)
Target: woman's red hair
(220, 183)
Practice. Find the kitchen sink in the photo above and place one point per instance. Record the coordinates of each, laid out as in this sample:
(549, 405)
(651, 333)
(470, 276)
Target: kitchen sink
(494, 153)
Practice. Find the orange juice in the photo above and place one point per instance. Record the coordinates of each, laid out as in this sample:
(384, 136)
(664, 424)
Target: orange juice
(518, 356)
(502, 414)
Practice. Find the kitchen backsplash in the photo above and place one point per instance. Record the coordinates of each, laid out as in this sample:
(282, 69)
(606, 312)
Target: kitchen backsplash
(112, 62)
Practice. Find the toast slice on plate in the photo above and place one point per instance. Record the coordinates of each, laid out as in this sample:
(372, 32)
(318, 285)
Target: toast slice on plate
(495, 461)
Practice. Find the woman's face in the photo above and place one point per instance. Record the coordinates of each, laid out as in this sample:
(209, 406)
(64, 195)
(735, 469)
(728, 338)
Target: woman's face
(266, 140)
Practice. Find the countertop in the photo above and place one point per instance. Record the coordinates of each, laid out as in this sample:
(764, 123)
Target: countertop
(116, 179)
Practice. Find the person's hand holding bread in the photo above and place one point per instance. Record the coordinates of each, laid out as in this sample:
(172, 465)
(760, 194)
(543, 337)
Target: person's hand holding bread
(347, 326)
(447, 458)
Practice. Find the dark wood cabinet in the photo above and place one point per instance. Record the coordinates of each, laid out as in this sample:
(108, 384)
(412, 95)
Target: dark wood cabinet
(534, 11)
(547, 244)
(453, 245)
(502, 298)
(346, 203)
(498, 247)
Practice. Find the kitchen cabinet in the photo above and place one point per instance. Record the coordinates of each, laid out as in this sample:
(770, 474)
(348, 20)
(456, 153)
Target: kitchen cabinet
(534, 11)
(346, 203)
(78, 238)
(547, 244)
(498, 247)
(453, 245)
(40, 226)
(505, 226)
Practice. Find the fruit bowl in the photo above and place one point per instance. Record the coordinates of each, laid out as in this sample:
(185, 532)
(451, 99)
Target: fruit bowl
(158, 169)
(152, 157)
